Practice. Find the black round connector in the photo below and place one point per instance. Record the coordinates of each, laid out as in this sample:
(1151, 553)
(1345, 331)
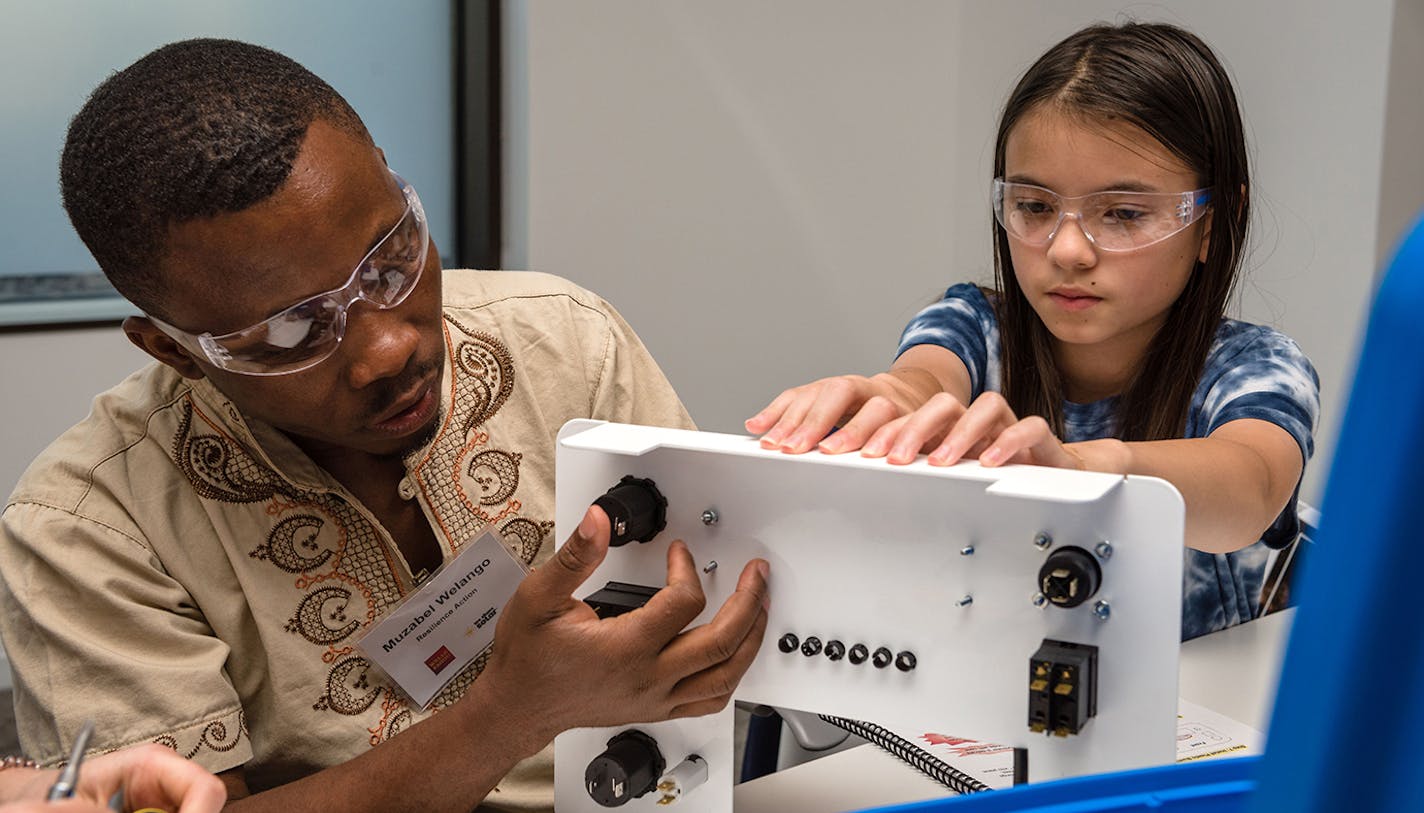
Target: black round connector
(858, 654)
(1069, 576)
(882, 658)
(811, 647)
(636, 510)
(905, 661)
(629, 768)
(835, 650)
(788, 643)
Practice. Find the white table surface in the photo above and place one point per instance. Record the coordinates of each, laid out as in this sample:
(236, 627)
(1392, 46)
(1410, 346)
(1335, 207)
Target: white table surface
(1232, 672)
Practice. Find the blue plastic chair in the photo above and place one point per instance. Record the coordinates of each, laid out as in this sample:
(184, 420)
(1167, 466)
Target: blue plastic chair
(1350, 707)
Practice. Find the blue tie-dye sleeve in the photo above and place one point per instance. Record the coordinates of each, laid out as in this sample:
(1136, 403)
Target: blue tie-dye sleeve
(963, 323)
(1254, 371)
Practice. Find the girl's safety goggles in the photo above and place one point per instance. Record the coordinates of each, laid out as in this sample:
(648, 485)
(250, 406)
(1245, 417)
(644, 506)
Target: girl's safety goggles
(1112, 221)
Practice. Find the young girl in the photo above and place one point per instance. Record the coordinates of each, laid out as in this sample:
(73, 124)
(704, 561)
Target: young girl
(1121, 200)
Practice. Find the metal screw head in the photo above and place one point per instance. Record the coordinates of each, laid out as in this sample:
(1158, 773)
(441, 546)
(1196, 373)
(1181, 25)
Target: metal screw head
(967, 550)
(965, 602)
(1039, 600)
(1102, 610)
(1042, 540)
(710, 566)
(709, 517)
(1104, 550)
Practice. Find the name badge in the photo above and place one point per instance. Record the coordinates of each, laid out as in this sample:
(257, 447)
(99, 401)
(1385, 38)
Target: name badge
(445, 624)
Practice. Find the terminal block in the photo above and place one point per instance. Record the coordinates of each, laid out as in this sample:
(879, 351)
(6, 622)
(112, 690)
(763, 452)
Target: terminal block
(1062, 687)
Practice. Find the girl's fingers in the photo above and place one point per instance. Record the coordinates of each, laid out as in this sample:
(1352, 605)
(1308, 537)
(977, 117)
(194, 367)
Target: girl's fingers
(877, 412)
(981, 422)
(1029, 441)
(925, 427)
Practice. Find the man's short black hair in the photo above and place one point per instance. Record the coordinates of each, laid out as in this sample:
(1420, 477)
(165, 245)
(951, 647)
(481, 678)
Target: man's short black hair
(194, 129)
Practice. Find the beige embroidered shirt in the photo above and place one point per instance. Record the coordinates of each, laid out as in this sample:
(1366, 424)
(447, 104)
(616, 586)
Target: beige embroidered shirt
(182, 575)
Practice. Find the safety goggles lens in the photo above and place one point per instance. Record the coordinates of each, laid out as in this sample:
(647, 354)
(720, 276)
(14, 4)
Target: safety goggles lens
(1112, 221)
(308, 332)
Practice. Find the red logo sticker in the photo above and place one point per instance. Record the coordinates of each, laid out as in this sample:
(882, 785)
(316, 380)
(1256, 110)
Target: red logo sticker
(441, 659)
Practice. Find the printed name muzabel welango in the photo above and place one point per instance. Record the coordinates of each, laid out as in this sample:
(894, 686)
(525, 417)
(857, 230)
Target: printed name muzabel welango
(440, 600)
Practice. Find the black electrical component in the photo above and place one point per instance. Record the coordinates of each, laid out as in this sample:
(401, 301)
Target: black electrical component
(858, 654)
(1069, 576)
(882, 658)
(811, 647)
(617, 598)
(1062, 687)
(835, 650)
(789, 643)
(906, 661)
(627, 769)
(636, 510)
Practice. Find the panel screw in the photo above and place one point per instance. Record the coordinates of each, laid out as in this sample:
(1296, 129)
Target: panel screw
(1039, 600)
(709, 517)
(965, 602)
(1104, 550)
(710, 566)
(1042, 540)
(1102, 610)
(967, 550)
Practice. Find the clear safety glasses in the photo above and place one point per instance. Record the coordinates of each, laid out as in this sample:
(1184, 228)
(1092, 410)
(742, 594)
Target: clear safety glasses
(306, 333)
(1112, 221)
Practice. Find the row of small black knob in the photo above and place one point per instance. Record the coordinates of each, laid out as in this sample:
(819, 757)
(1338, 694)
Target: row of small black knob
(835, 650)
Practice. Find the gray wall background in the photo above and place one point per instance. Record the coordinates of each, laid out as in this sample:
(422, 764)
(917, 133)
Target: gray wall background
(768, 191)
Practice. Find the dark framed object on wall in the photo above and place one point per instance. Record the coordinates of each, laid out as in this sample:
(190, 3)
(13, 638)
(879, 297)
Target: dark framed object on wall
(423, 74)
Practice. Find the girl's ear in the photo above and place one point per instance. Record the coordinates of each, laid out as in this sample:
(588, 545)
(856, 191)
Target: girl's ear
(156, 343)
(1206, 236)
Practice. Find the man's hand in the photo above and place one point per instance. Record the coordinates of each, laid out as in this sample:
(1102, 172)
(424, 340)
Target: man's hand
(556, 658)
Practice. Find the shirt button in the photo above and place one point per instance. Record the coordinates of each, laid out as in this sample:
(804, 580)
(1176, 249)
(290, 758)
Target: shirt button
(406, 489)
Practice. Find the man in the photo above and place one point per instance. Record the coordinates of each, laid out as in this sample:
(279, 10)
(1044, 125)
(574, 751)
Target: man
(330, 421)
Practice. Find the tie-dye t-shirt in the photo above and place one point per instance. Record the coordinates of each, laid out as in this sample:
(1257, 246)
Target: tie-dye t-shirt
(1251, 371)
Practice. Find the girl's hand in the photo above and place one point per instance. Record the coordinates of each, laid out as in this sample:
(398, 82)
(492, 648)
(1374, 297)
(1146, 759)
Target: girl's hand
(801, 417)
(987, 429)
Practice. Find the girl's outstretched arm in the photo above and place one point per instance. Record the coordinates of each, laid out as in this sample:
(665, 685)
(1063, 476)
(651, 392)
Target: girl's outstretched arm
(1235, 481)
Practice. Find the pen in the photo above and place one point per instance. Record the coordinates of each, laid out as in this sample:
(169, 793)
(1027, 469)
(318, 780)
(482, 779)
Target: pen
(63, 787)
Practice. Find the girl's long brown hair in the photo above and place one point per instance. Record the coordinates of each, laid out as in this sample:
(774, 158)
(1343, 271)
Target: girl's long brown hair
(1167, 82)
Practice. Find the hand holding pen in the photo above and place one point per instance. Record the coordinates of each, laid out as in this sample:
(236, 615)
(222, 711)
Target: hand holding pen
(142, 778)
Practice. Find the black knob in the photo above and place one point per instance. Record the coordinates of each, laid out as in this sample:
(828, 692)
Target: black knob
(858, 654)
(835, 650)
(811, 647)
(881, 658)
(1069, 576)
(788, 642)
(905, 661)
(629, 768)
(636, 510)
